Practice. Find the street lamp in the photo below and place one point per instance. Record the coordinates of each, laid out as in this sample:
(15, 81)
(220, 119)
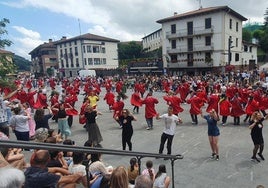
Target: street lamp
(229, 53)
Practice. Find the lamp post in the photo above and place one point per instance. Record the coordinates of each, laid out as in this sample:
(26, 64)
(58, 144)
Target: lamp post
(229, 54)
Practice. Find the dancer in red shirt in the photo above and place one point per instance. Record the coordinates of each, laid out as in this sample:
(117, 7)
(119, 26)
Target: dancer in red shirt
(174, 101)
(136, 101)
(150, 111)
(196, 104)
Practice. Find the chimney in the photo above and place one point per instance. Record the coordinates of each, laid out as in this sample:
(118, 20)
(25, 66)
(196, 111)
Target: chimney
(49, 40)
(63, 38)
(175, 13)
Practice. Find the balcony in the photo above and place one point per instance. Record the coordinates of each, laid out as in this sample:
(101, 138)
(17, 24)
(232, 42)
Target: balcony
(184, 49)
(183, 32)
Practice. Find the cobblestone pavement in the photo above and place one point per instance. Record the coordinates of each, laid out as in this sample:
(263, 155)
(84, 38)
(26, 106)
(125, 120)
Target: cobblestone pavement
(196, 170)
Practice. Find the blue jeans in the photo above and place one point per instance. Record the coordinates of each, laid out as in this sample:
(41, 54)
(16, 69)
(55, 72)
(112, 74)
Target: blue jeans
(149, 122)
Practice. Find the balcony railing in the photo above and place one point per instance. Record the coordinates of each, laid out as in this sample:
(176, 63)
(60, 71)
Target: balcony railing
(184, 32)
(184, 49)
(54, 147)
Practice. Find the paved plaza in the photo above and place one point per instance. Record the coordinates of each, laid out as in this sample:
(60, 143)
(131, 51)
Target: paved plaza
(196, 170)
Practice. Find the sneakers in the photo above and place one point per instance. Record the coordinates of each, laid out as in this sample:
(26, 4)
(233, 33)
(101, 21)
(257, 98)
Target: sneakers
(213, 155)
(255, 159)
(148, 128)
(261, 156)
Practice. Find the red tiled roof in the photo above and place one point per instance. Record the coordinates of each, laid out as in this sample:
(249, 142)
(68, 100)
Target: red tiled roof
(202, 11)
(5, 52)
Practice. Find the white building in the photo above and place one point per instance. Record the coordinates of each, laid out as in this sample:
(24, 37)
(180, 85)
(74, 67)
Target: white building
(249, 55)
(197, 41)
(152, 41)
(86, 51)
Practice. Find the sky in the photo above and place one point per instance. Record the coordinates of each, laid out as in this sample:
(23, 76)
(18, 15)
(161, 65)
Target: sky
(33, 22)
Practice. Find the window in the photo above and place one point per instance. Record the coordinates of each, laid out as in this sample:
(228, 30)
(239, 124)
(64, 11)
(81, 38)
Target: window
(190, 44)
(61, 54)
(96, 49)
(230, 23)
(85, 61)
(104, 61)
(190, 60)
(77, 62)
(60, 46)
(173, 28)
(250, 49)
(236, 56)
(173, 44)
(236, 26)
(90, 62)
(207, 23)
(190, 28)
(207, 57)
(208, 40)
(245, 48)
(89, 49)
(76, 51)
(103, 50)
(75, 43)
(96, 61)
(84, 49)
(62, 64)
(236, 42)
(173, 58)
(70, 43)
(64, 44)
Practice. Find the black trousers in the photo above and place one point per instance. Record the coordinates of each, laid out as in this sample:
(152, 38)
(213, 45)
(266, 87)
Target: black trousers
(70, 121)
(194, 118)
(166, 137)
(126, 139)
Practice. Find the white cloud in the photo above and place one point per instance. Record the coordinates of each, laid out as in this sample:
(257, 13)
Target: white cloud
(129, 19)
(27, 32)
(26, 41)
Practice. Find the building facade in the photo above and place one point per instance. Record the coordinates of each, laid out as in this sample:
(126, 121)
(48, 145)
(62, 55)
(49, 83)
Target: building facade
(207, 39)
(249, 58)
(44, 59)
(152, 41)
(86, 51)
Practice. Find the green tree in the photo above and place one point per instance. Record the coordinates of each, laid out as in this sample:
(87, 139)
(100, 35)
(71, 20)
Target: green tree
(6, 64)
(257, 34)
(246, 35)
(130, 50)
(3, 31)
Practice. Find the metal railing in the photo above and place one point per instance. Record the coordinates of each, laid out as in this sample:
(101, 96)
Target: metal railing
(66, 148)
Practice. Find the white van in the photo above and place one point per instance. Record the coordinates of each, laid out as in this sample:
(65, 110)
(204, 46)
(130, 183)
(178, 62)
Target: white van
(85, 73)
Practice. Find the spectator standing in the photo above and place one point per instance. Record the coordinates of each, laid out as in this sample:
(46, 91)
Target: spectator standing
(19, 123)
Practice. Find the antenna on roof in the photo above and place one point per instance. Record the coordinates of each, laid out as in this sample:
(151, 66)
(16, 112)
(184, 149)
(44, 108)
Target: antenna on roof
(200, 4)
(79, 26)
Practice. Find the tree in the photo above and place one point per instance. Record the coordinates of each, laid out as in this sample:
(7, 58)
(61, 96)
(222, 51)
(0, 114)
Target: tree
(246, 35)
(3, 31)
(6, 59)
(130, 50)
